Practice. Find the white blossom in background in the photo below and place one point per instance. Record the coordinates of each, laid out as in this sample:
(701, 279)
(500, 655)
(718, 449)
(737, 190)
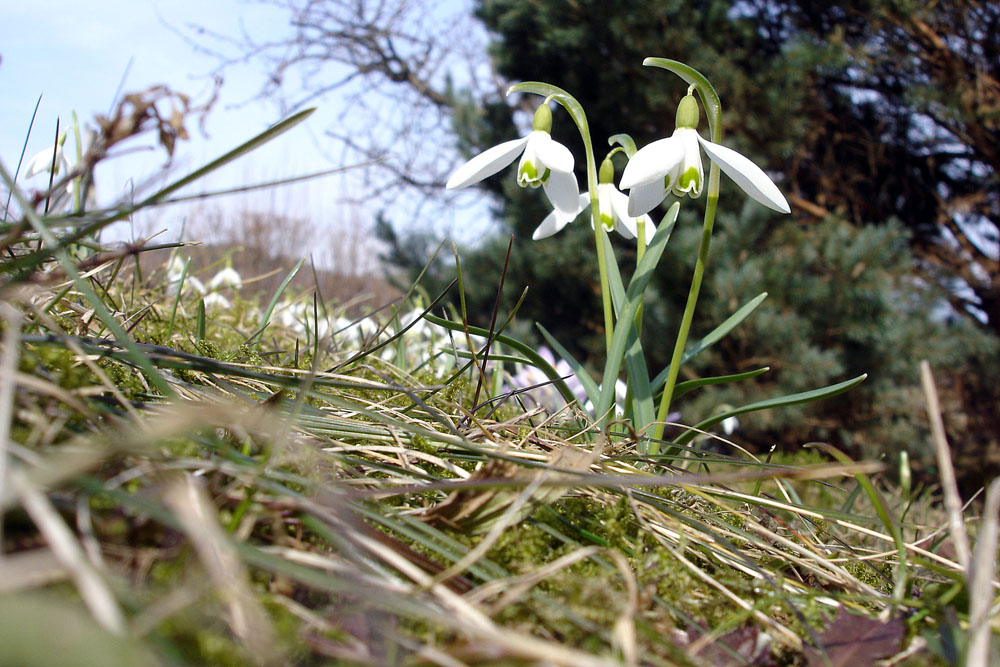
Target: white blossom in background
(547, 396)
(729, 425)
(216, 300)
(227, 277)
(175, 269)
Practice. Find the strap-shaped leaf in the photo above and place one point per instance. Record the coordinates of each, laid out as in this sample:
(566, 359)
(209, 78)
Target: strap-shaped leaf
(713, 336)
(643, 408)
(684, 387)
(625, 324)
(779, 402)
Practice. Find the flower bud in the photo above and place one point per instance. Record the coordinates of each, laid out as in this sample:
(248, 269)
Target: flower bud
(607, 173)
(687, 113)
(543, 119)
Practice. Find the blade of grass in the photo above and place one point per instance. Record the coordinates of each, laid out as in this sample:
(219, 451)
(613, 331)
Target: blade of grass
(493, 321)
(581, 373)
(891, 525)
(177, 298)
(982, 569)
(85, 290)
(274, 301)
(690, 385)
(20, 160)
(949, 487)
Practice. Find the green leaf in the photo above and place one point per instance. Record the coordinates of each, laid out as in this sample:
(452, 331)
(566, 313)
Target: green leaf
(274, 301)
(158, 197)
(713, 337)
(620, 337)
(779, 402)
(267, 135)
(643, 408)
(684, 387)
(709, 98)
(589, 386)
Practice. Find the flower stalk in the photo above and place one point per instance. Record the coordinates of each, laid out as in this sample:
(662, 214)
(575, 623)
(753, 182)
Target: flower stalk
(579, 117)
(692, 301)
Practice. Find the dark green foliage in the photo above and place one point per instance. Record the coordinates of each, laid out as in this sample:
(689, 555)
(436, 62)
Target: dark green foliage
(841, 301)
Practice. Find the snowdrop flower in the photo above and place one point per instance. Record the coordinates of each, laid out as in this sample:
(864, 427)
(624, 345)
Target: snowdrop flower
(195, 284)
(674, 165)
(175, 268)
(41, 163)
(612, 207)
(216, 300)
(544, 162)
(291, 316)
(729, 425)
(227, 277)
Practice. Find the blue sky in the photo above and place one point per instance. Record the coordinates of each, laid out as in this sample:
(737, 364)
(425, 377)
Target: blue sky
(75, 54)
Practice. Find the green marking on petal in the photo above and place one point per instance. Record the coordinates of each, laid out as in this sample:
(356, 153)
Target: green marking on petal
(526, 174)
(608, 222)
(689, 180)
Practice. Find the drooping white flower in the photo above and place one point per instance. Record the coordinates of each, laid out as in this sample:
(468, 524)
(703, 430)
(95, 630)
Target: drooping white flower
(544, 162)
(674, 165)
(216, 300)
(729, 425)
(613, 211)
(41, 163)
(227, 277)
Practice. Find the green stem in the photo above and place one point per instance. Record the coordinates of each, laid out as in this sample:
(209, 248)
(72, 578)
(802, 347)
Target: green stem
(602, 266)
(682, 335)
(579, 117)
(640, 250)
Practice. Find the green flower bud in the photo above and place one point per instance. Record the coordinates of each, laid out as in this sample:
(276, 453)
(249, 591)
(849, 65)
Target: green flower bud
(607, 173)
(687, 113)
(543, 119)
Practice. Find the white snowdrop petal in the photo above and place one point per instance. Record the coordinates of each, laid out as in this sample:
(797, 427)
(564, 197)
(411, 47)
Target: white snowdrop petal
(619, 202)
(486, 163)
(42, 162)
(564, 193)
(552, 223)
(747, 175)
(644, 198)
(551, 153)
(652, 162)
(555, 221)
